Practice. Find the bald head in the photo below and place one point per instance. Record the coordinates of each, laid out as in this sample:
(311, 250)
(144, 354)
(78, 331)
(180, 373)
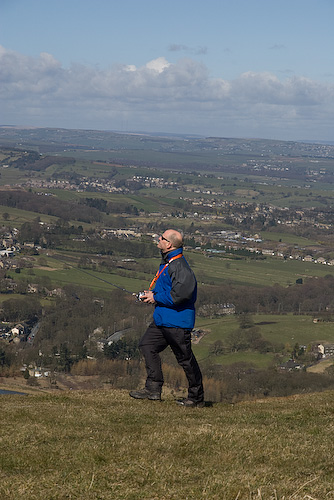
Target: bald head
(175, 238)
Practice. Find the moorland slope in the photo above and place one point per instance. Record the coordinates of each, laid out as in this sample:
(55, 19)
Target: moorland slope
(101, 444)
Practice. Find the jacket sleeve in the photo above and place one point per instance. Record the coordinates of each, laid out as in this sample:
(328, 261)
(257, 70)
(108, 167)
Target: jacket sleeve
(183, 282)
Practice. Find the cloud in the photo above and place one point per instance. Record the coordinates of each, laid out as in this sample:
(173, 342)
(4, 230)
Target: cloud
(180, 97)
(268, 89)
(158, 65)
(174, 47)
(277, 46)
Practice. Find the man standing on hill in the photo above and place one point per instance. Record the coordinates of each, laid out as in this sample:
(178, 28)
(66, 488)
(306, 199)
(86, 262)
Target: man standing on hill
(173, 291)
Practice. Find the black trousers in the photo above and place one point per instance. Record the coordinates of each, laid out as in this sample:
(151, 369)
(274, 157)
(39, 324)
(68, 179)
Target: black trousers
(154, 341)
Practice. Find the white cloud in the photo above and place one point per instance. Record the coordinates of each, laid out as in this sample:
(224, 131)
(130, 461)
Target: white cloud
(267, 88)
(130, 67)
(158, 64)
(180, 97)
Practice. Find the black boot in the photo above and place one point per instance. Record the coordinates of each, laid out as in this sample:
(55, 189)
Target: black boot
(145, 394)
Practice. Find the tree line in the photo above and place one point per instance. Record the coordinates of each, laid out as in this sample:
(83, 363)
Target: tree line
(50, 205)
(314, 295)
(34, 161)
(68, 333)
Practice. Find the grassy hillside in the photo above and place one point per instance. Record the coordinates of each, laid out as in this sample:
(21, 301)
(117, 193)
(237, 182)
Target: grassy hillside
(256, 272)
(217, 271)
(285, 329)
(104, 445)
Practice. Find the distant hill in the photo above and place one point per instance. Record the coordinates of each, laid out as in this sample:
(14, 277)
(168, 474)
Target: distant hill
(59, 139)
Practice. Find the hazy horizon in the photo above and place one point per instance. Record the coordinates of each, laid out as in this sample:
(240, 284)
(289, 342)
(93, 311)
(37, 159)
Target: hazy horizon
(227, 69)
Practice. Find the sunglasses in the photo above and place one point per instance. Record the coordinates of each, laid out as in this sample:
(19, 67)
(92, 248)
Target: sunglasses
(163, 238)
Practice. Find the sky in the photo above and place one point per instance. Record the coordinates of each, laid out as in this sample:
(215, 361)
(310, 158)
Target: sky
(226, 68)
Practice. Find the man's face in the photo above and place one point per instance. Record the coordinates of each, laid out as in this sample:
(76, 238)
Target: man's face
(163, 243)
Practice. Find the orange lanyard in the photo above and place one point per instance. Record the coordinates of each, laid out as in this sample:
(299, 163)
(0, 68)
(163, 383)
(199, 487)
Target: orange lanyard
(153, 282)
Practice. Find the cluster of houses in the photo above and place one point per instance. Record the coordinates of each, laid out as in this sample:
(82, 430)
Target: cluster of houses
(209, 198)
(236, 240)
(8, 248)
(7, 252)
(318, 260)
(16, 334)
(326, 350)
(102, 341)
(320, 351)
(80, 185)
(210, 310)
(233, 240)
(35, 371)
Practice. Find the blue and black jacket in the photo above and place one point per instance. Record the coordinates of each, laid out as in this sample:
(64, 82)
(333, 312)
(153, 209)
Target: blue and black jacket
(175, 293)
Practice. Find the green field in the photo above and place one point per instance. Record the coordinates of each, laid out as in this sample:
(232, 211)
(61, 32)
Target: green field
(18, 217)
(90, 279)
(10, 176)
(187, 167)
(214, 270)
(266, 272)
(208, 170)
(288, 238)
(286, 329)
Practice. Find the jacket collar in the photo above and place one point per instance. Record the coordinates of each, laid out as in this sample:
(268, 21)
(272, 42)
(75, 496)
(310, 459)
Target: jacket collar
(168, 255)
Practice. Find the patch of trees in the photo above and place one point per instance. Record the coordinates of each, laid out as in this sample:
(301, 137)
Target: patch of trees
(47, 236)
(5, 358)
(75, 317)
(33, 161)
(312, 296)
(241, 381)
(110, 207)
(127, 247)
(98, 203)
(138, 248)
(232, 383)
(3, 281)
(22, 309)
(124, 348)
(116, 372)
(50, 205)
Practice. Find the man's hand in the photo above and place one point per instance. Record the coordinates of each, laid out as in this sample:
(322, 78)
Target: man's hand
(148, 297)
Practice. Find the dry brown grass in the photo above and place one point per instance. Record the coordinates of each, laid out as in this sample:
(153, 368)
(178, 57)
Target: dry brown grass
(321, 367)
(101, 444)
